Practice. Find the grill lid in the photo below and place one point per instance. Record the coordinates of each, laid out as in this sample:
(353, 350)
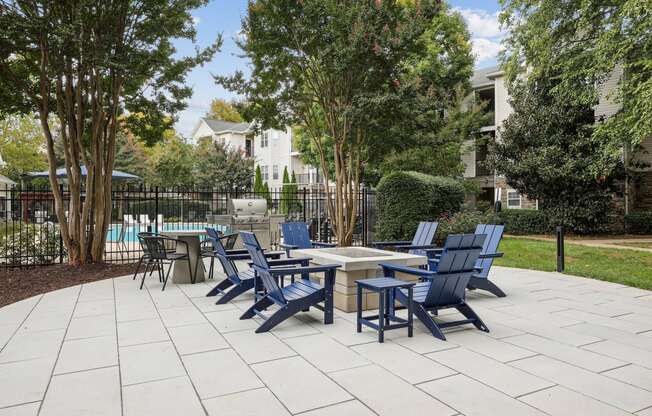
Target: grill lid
(248, 208)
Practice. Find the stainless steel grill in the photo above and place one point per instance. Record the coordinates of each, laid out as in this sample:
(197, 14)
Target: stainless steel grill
(249, 215)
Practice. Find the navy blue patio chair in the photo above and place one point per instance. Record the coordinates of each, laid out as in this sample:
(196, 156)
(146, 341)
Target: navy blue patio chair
(297, 236)
(444, 288)
(420, 244)
(480, 280)
(298, 296)
(236, 282)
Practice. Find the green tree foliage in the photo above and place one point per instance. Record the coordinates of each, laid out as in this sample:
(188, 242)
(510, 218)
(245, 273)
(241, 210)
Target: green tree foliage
(171, 162)
(547, 151)
(258, 182)
(223, 110)
(131, 154)
(87, 64)
(361, 73)
(285, 192)
(217, 166)
(580, 44)
(21, 146)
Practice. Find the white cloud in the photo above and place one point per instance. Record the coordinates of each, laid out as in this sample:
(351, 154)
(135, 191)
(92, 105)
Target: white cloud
(485, 49)
(196, 20)
(481, 23)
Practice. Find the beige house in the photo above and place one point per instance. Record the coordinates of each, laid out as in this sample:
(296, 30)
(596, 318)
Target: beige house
(489, 85)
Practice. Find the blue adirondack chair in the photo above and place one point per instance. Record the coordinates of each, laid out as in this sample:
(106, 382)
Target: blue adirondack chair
(298, 296)
(480, 280)
(420, 244)
(444, 288)
(236, 282)
(297, 236)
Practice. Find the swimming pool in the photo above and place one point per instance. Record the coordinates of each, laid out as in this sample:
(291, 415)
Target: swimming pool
(131, 232)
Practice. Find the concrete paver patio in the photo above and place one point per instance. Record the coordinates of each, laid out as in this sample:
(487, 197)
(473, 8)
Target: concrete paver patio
(559, 345)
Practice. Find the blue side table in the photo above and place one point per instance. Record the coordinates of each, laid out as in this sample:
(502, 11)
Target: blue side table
(385, 287)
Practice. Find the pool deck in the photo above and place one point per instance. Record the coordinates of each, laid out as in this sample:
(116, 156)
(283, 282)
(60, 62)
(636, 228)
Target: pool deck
(559, 345)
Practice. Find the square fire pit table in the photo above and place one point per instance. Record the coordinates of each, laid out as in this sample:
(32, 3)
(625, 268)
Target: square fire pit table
(358, 263)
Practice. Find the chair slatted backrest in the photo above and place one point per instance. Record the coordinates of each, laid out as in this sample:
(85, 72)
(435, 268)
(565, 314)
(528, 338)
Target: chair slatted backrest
(423, 236)
(156, 247)
(296, 234)
(230, 270)
(494, 234)
(261, 267)
(455, 269)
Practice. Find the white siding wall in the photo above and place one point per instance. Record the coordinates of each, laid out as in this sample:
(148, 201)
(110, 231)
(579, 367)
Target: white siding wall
(608, 104)
(503, 108)
(202, 131)
(468, 159)
(276, 153)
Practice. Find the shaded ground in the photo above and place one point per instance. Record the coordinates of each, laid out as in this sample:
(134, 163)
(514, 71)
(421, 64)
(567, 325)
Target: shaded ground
(624, 265)
(21, 283)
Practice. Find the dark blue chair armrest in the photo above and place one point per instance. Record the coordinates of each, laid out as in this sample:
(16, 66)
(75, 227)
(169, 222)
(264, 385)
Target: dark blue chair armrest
(319, 244)
(407, 270)
(491, 255)
(288, 246)
(294, 260)
(301, 270)
(238, 251)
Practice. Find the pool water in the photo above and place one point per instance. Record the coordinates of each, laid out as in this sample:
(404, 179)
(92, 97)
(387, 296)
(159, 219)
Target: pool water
(131, 234)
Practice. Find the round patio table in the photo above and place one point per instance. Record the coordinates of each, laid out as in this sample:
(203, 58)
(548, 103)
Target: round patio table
(180, 273)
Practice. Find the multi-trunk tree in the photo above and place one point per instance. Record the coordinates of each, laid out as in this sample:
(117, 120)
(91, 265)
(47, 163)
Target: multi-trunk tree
(355, 75)
(86, 63)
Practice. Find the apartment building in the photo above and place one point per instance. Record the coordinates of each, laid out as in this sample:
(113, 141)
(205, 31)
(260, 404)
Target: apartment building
(271, 149)
(489, 86)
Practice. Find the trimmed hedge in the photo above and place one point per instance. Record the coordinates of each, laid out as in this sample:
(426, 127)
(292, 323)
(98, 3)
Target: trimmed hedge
(405, 198)
(639, 222)
(525, 221)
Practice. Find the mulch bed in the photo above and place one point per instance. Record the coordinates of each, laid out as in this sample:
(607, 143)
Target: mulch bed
(21, 283)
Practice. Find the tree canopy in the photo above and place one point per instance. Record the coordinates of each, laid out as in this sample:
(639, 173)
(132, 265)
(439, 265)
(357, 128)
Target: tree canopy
(223, 110)
(359, 77)
(218, 166)
(547, 151)
(21, 146)
(581, 44)
(87, 64)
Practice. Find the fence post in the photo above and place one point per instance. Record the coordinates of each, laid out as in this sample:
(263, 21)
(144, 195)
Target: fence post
(364, 216)
(156, 209)
(304, 206)
(63, 202)
(560, 249)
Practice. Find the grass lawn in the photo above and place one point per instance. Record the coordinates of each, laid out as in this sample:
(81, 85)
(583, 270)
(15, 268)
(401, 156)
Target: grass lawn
(628, 267)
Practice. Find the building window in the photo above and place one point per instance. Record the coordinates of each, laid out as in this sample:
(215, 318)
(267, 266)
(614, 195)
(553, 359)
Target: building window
(513, 199)
(275, 172)
(264, 139)
(265, 171)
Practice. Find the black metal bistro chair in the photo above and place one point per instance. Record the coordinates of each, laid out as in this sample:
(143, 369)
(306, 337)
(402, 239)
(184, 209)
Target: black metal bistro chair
(158, 249)
(144, 257)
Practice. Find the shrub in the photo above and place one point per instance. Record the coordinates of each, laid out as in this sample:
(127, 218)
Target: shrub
(464, 223)
(405, 198)
(639, 222)
(170, 207)
(525, 221)
(30, 244)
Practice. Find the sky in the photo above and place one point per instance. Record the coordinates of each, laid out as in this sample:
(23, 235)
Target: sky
(224, 17)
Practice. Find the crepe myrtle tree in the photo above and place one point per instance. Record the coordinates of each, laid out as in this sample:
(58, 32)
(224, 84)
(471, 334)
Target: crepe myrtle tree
(86, 65)
(341, 70)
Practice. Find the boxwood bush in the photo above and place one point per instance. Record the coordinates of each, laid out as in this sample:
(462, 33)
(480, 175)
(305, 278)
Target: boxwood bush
(405, 198)
(525, 221)
(639, 222)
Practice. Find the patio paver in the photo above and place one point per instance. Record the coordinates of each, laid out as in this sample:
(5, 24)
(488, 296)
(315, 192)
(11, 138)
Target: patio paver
(559, 345)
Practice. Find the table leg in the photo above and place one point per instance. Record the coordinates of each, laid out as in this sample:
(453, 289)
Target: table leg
(182, 272)
(359, 308)
(409, 311)
(328, 297)
(381, 316)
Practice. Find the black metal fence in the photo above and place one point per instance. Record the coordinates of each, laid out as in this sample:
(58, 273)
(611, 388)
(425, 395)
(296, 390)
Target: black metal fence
(29, 230)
